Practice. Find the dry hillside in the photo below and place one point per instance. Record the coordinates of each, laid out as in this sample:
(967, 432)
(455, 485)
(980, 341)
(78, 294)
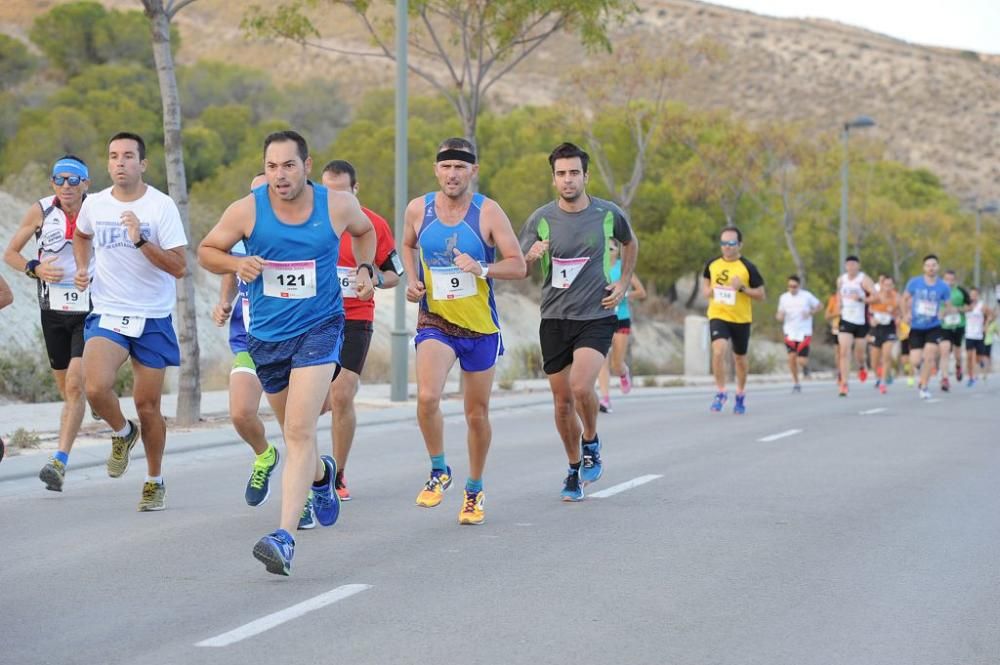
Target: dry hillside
(935, 108)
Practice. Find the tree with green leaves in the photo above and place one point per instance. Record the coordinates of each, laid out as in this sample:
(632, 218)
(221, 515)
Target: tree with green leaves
(189, 387)
(462, 48)
(16, 62)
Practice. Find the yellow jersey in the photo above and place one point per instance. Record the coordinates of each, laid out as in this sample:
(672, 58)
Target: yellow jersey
(725, 302)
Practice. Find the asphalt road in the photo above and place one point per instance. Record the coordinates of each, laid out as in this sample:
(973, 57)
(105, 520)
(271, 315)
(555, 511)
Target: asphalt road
(804, 532)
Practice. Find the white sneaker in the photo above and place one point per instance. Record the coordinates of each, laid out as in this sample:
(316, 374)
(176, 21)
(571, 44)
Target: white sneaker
(925, 394)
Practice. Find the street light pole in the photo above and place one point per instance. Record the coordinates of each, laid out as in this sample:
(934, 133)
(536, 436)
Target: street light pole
(860, 122)
(988, 208)
(400, 336)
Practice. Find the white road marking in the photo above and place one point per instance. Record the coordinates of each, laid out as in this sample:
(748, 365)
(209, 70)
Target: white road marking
(780, 435)
(285, 615)
(621, 487)
(871, 411)
(934, 400)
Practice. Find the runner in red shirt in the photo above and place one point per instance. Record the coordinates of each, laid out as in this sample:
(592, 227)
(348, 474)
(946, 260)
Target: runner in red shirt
(341, 176)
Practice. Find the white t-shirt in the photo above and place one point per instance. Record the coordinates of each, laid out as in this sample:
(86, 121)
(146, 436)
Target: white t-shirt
(851, 309)
(798, 322)
(125, 281)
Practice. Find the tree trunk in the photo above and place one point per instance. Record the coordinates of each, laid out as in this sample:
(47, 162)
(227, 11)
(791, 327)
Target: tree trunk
(189, 384)
(694, 292)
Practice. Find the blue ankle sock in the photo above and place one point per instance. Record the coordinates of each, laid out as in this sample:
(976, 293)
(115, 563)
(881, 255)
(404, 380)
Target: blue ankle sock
(437, 463)
(62, 457)
(474, 485)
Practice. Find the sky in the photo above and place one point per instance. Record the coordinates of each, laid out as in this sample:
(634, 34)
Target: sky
(972, 25)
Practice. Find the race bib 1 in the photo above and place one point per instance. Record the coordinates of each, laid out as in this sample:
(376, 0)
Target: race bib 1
(452, 283)
(245, 307)
(952, 319)
(724, 295)
(882, 318)
(130, 326)
(348, 278)
(565, 271)
(65, 298)
(293, 280)
(926, 308)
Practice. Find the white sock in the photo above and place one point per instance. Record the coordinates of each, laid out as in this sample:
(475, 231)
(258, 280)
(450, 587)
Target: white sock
(155, 479)
(125, 431)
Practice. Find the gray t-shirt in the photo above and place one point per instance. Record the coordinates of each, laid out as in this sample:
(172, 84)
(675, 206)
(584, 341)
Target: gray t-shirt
(577, 267)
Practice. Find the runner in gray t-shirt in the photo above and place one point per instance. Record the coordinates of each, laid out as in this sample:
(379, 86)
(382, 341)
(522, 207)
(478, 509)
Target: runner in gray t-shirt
(571, 236)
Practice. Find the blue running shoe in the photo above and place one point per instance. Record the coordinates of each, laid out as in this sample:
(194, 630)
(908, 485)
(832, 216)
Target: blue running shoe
(571, 487)
(308, 518)
(275, 551)
(326, 501)
(592, 468)
(739, 408)
(720, 399)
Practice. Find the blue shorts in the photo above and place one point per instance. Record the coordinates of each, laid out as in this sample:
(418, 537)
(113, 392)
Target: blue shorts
(475, 354)
(276, 360)
(156, 347)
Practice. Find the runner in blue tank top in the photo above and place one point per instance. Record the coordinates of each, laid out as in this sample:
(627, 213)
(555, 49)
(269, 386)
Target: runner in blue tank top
(452, 235)
(291, 229)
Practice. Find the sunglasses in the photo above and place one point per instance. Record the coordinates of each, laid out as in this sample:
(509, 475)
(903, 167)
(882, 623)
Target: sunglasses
(73, 180)
(730, 243)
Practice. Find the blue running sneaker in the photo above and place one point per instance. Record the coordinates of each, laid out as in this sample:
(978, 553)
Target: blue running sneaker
(275, 551)
(326, 501)
(739, 408)
(571, 487)
(592, 468)
(308, 518)
(720, 399)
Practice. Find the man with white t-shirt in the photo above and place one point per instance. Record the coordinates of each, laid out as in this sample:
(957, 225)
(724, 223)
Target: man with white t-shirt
(854, 291)
(796, 308)
(138, 241)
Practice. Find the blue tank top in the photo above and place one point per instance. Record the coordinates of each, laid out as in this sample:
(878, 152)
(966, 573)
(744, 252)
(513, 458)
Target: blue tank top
(623, 312)
(278, 317)
(437, 242)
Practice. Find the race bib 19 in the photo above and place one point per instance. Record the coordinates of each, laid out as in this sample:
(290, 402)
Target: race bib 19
(452, 283)
(348, 278)
(65, 298)
(290, 279)
(565, 271)
(724, 295)
(130, 326)
(926, 308)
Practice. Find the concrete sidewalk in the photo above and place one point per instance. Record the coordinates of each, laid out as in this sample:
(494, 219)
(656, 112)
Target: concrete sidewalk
(373, 408)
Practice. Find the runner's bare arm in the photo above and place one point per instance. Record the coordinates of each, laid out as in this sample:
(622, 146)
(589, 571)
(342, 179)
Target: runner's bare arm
(172, 261)
(638, 291)
(347, 218)
(235, 224)
(501, 234)
(29, 223)
(224, 308)
(706, 288)
(6, 295)
(83, 246)
(408, 252)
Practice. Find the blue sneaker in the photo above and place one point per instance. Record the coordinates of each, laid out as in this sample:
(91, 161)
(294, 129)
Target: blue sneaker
(259, 483)
(591, 469)
(571, 487)
(739, 408)
(275, 551)
(326, 501)
(308, 518)
(720, 399)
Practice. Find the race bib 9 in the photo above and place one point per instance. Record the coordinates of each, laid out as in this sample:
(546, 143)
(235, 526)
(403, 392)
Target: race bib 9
(348, 278)
(452, 283)
(565, 271)
(724, 295)
(293, 280)
(130, 326)
(926, 308)
(65, 298)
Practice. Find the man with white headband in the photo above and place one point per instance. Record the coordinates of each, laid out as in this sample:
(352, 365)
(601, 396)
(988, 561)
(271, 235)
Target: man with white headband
(63, 309)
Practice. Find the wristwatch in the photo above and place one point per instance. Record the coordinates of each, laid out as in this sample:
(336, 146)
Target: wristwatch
(142, 241)
(369, 267)
(486, 270)
(29, 268)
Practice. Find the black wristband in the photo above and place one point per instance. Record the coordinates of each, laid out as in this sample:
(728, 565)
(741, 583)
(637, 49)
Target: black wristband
(29, 268)
(142, 241)
(369, 267)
